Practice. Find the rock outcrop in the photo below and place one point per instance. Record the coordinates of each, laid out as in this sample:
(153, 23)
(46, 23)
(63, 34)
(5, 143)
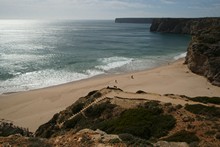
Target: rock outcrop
(203, 53)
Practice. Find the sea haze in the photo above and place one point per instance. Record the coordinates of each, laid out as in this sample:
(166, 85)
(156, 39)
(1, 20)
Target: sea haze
(36, 54)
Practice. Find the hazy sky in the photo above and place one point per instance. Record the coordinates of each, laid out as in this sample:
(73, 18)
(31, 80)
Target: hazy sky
(107, 9)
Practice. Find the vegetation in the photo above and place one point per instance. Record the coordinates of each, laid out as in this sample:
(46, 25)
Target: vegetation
(91, 93)
(217, 136)
(131, 140)
(141, 92)
(204, 110)
(183, 136)
(153, 106)
(97, 110)
(139, 122)
(212, 100)
(77, 107)
(8, 128)
(72, 123)
(91, 117)
(145, 122)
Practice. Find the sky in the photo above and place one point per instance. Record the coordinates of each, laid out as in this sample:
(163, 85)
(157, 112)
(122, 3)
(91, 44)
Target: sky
(106, 9)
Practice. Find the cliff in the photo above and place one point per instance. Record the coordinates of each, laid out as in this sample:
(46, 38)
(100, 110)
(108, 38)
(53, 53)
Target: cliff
(133, 20)
(182, 25)
(203, 53)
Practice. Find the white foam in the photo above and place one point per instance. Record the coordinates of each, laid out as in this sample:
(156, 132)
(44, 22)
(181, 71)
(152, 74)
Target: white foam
(182, 55)
(39, 79)
(113, 62)
(92, 73)
(21, 57)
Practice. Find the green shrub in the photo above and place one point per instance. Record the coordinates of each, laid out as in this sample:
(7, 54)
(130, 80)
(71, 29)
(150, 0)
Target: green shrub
(153, 107)
(204, 110)
(183, 136)
(91, 93)
(139, 122)
(210, 132)
(97, 109)
(217, 136)
(141, 92)
(36, 142)
(114, 141)
(77, 108)
(212, 100)
(8, 128)
(179, 106)
(72, 123)
(130, 140)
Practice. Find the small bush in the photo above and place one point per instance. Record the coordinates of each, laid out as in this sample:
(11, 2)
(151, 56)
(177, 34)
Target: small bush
(212, 100)
(217, 136)
(96, 110)
(153, 107)
(168, 104)
(8, 128)
(203, 110)
(114, 141)
(77, 108)
(171, 109)
(210, 132)
(141, 92)
(179, 106)
(36, 142)
(91, 93)
(183, 136)
(130, 140)
(72, 123)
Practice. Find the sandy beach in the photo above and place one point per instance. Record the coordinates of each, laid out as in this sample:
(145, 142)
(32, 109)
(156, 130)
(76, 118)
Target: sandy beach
(30, 109)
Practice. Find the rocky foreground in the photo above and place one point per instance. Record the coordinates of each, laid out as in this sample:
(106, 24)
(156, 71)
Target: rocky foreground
(112, 117)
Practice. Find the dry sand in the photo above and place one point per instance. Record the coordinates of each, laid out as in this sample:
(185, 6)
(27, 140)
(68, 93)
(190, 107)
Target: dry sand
(32, 108)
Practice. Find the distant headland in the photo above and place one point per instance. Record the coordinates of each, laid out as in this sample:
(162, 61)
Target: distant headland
(134, 20)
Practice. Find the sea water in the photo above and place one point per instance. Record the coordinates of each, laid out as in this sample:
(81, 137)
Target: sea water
(36, 54)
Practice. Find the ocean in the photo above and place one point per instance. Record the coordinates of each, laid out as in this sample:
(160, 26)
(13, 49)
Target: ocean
(36, 53)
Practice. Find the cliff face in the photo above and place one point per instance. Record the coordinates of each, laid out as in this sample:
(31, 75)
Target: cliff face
(203, 53)
(171, 25)
(183, 25)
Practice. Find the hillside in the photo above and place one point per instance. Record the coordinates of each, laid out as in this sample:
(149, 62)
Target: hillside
(130, 119)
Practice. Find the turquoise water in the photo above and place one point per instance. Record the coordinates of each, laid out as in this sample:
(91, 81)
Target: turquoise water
(36, 54)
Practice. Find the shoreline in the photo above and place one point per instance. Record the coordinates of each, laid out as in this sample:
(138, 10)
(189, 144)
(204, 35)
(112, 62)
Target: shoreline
(104, 75)
(32, 108)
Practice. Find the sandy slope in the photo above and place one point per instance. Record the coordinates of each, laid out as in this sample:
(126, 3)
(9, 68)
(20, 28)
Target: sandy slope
(33, 108)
